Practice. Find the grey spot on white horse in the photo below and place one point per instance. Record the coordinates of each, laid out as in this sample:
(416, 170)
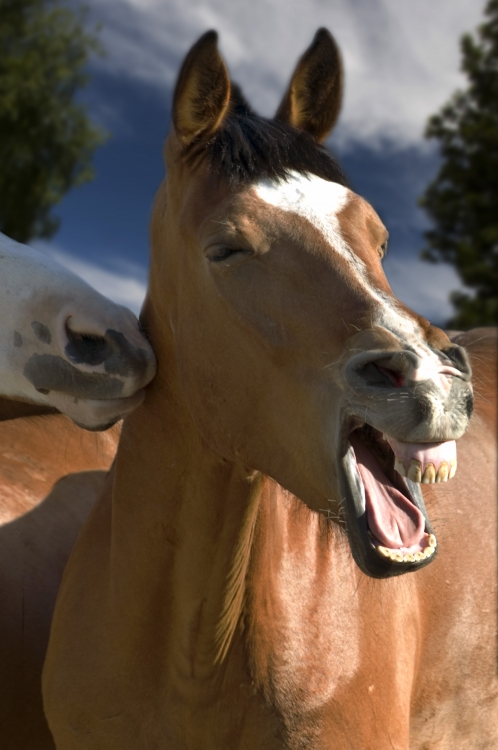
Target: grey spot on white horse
(41, 332)
(48, 373)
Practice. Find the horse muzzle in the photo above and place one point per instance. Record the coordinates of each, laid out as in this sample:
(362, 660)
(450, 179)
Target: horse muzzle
(93, 369)
(400, 420)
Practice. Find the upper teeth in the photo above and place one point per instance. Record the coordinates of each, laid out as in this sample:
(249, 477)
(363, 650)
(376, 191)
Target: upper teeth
(425, 462)
(446, 470)
(415, 470)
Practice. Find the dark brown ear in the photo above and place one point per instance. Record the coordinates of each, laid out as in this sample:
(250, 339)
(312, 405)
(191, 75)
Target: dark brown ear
(313, 100)
(202, 92)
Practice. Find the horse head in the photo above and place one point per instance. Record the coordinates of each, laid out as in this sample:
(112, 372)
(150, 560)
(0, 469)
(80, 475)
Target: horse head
(273, 320)
(65, 346)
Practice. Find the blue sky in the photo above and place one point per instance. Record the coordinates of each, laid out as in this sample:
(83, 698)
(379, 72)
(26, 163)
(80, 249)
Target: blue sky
(402, 63)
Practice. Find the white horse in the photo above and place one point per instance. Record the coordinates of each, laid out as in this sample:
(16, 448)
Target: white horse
(63, 345)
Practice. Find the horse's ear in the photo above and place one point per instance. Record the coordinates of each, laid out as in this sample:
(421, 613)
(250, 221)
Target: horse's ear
(313, 100)
(202, 92)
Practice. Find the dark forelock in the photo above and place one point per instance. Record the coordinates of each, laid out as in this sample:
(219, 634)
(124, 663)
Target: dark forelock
(247, 148)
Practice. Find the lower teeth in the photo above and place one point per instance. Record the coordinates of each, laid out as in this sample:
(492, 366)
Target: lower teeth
(398, 556)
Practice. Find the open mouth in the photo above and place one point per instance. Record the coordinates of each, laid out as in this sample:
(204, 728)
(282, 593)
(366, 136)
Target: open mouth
(388, 525)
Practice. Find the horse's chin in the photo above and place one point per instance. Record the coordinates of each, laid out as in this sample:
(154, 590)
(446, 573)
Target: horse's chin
(95, 415)
(387, 523)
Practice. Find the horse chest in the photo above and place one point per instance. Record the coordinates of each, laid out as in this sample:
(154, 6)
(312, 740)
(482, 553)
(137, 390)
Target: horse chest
(331, 651)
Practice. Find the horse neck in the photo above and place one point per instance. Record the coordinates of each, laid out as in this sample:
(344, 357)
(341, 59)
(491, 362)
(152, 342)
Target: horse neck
(182, 525)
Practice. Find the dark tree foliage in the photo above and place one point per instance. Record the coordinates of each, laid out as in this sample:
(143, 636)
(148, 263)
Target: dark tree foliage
(463, 199)
(46, 138)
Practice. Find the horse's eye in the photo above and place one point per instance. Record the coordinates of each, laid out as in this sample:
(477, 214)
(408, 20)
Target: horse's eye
(225, 255)
(383, 250)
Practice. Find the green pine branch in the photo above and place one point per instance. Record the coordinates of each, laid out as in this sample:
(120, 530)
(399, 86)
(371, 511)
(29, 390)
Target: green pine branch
(462, 200)
(46, 138)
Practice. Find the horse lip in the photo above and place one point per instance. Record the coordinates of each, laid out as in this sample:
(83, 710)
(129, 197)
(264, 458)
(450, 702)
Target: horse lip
(351, 489)
(87, 413)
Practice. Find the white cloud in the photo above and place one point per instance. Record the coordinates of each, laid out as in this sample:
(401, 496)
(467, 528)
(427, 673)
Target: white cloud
(401, 57)
(126, 284)
(423, 287)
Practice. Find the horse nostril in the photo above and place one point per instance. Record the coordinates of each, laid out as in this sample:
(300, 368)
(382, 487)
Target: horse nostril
(378, 376)
(86, 348)
(113, 349)
(396, 378)
(380, 369)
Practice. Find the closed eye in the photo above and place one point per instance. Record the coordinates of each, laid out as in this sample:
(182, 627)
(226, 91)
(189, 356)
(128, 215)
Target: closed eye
(226, 255)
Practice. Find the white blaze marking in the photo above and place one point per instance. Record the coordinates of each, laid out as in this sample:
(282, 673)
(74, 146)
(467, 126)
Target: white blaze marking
(313, 198)
(320, 202)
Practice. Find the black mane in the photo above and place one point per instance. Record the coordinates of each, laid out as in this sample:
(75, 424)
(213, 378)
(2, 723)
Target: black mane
(248, 148)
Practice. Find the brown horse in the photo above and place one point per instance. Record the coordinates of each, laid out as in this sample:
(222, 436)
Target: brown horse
(63, 347)
(242, 581)
(50, 474)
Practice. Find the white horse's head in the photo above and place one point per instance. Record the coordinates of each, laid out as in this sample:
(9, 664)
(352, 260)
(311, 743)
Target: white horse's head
(62, 344)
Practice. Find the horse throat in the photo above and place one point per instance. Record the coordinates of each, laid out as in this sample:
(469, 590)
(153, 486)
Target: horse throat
(183, 521)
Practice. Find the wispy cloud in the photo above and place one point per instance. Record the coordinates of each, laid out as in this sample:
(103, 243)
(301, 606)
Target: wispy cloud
(402, 58)
(123, 282)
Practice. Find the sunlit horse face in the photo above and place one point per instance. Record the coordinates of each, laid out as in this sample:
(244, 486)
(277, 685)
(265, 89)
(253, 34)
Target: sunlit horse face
(292, 353)
(64, 345)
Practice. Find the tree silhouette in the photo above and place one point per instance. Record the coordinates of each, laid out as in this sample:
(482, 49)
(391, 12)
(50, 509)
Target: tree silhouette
(46, 138)
(463, 198)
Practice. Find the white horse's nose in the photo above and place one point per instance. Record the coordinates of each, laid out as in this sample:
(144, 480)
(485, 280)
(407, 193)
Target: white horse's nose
(112, 345)
(93, 365)
(97, 355)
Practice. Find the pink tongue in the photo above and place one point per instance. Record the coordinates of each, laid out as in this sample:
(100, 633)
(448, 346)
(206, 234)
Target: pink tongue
(391, 517)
